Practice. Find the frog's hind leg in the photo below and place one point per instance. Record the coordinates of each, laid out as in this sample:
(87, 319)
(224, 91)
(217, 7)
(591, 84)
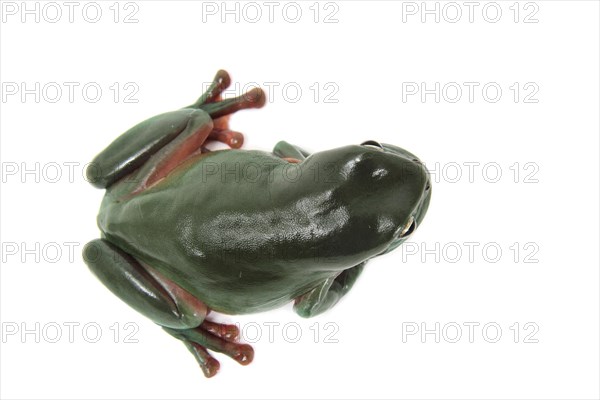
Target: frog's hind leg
(166, 303)
(212, 103)
(135, 147)
(220, 110)
(151, 295)
(217, 337)
(220, 82)
(203, 338)
(170, 138)
(209, 121)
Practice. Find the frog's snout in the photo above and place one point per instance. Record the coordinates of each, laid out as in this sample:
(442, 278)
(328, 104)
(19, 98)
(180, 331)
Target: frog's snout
(408, 181)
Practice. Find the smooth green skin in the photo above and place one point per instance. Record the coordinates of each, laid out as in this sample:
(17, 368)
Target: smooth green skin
(245, 231)
(244, 241)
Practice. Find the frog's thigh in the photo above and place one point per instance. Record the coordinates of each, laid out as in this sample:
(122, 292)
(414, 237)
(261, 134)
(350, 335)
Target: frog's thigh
(165, 304)
(328, 293)
(185, 128)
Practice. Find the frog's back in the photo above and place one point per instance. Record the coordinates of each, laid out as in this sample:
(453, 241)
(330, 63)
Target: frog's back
(234, 229)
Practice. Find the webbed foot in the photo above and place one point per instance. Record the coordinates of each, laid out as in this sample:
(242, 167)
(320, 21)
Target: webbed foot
(220, 110)
(217, 337)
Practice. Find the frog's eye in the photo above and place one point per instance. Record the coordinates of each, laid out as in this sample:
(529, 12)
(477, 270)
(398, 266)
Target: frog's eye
(372, 144)
(408, 228)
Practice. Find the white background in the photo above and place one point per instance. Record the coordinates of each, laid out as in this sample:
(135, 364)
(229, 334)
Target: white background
(369, 55)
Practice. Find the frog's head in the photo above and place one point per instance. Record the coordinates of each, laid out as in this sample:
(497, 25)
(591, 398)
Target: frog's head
(407, 198)
(386, 192)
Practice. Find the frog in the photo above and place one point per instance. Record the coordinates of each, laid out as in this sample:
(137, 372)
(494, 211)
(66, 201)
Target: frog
(187, 230)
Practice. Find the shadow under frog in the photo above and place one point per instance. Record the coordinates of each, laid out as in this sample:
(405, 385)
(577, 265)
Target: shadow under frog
(186, 230)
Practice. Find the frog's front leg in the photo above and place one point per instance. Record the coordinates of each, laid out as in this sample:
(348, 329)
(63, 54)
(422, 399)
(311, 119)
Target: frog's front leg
(327, 293)
(290, 152)
(167, 304)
